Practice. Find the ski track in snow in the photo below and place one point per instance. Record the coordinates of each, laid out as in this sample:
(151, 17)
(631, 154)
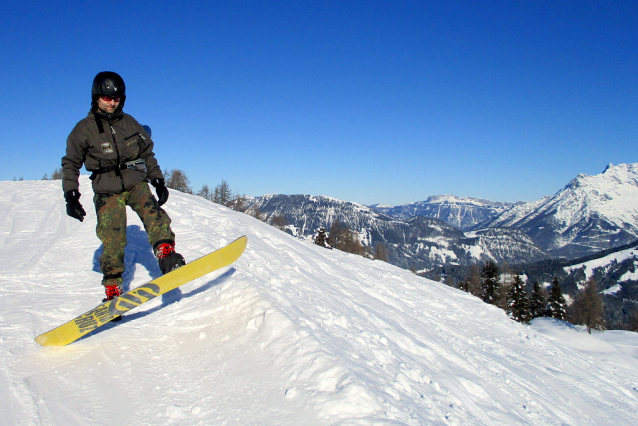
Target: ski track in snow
(290, 334)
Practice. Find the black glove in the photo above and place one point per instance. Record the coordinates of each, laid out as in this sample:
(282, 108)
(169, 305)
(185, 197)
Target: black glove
(161, 189)
(73, 206)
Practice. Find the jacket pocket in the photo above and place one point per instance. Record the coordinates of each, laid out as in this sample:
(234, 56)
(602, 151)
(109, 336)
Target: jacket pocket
(131, 147)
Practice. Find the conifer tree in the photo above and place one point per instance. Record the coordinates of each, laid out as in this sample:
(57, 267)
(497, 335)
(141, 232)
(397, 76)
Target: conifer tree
(538, 301)
(463, 285)
(490, 282)
(321, 238)
(588, 308)
(557, 306)
(517, 302)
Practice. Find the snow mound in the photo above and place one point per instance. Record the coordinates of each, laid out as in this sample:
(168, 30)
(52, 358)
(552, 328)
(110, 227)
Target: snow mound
(290, 334)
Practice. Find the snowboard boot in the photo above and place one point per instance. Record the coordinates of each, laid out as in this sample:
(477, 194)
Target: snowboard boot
(167, 257)
(113, 289)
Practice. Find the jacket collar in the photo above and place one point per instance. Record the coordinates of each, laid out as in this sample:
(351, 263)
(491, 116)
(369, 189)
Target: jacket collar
(101, 117)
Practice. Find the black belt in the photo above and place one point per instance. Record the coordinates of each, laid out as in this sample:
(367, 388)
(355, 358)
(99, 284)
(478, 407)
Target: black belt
(109, 169)
(139, 165)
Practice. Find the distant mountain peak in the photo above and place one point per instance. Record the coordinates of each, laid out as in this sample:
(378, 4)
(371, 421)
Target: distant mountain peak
(461, 212)
(590, 213)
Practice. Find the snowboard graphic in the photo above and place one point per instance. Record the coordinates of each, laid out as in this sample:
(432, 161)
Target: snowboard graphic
(97, 317)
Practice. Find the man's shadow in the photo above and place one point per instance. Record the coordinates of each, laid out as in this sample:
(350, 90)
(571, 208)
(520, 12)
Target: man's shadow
(138, 251)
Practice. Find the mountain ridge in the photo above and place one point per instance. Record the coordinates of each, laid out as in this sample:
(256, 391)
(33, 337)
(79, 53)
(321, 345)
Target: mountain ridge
(589, 214)
(416, 243)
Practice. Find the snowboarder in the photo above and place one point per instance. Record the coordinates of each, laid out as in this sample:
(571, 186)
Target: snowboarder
(118, 152)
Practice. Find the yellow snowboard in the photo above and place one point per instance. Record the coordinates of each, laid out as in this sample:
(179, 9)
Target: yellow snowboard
(97, 317)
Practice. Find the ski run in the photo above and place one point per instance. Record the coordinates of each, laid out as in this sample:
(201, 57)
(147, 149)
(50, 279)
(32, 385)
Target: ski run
(290, 334)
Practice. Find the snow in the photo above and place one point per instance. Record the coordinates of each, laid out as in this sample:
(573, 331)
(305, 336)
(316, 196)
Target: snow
(613, 290)
(603, 262)
(611, 196)
(290, 334)
(629, 276)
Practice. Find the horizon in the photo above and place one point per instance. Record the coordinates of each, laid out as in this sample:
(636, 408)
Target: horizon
(425, 199)
(365, 101)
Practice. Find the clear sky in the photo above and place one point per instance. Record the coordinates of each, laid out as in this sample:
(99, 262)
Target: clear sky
(367, 101)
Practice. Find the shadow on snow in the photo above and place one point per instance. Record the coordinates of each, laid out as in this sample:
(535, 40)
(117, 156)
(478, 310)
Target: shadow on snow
(167, 299)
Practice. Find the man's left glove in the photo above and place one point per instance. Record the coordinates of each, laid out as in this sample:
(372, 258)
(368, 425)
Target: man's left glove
(161, 189)
(73, 206)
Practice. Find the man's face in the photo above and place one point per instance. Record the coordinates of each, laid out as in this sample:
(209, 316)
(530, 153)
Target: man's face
(108, 104)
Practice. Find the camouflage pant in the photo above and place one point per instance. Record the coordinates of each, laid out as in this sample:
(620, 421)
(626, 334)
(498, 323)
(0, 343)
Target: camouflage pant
(111, 226)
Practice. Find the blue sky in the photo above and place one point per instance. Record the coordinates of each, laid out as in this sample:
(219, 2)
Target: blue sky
(366, 101)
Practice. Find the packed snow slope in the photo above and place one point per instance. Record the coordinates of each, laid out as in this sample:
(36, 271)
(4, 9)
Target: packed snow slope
(290, 334)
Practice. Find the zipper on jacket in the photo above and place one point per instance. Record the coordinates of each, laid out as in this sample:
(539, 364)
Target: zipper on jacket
(134, 135)
(118, 172)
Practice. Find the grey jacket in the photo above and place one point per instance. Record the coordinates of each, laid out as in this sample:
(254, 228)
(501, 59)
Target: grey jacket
(104, 153)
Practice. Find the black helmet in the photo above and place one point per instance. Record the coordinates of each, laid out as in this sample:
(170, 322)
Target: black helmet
(108, 83)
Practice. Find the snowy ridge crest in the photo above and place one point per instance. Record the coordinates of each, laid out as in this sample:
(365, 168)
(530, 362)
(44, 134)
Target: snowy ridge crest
(461, 212)
(421, 243)
(590, 213)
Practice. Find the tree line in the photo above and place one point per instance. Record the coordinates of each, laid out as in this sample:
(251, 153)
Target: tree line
(508, 292)
(503, 289)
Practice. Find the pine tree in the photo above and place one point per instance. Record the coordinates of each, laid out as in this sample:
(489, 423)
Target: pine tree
(490, 282)
(517, 303)
(321, 239)
(588, 308)
(463, 285)
(557, 307)
(538, 301)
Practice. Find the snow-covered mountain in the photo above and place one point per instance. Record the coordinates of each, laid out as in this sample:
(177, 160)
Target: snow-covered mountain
(616, 274)
(417, 243)
(461, 212)
(290, 334)
(589, 214)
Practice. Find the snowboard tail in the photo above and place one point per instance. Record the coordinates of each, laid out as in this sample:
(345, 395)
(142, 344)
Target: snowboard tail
(100, 315)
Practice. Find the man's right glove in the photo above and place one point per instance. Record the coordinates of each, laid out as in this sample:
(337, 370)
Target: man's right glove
(73, 206)
(162, 191)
